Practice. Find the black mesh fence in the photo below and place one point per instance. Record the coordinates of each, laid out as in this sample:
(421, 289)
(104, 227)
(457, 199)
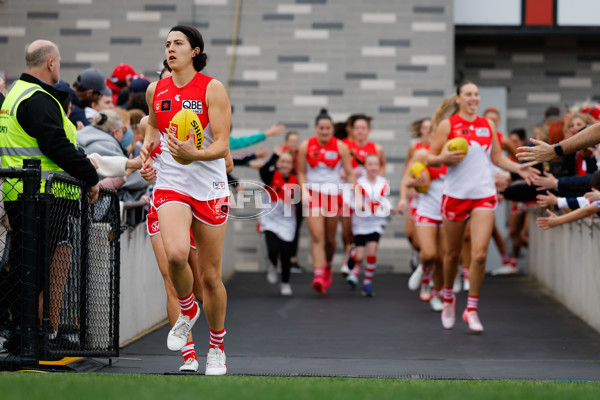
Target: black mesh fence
(83, 254)
(10, 274)
(70, 306)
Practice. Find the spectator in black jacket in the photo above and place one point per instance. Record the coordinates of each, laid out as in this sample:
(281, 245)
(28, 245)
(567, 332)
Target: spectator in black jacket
(89, 87)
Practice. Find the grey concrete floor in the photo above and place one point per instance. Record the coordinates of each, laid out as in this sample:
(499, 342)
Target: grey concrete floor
(528, 335)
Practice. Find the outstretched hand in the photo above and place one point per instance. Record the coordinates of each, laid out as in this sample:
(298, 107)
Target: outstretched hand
(546, 200)
(547, 181)
(547, 222)
(541, 152)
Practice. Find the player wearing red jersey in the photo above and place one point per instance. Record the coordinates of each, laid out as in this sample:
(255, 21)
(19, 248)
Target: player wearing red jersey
(469, 192)
(194, 195)
(409, 198)
(428, 227)
(320, 160)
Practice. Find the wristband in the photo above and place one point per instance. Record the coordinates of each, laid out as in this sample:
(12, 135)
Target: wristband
(558, 150)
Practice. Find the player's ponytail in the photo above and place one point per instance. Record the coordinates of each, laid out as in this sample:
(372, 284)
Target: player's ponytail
(323, 114)
(447, 107)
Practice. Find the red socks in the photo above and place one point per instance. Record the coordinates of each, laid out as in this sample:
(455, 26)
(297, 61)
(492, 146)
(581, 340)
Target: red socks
(448, 294)
(188, 351)
(217, 338)
(472, 303)
(188, 305)
(370, 269)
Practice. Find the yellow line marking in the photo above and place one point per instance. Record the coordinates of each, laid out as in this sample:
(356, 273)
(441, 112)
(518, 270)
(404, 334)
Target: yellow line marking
(62, 361)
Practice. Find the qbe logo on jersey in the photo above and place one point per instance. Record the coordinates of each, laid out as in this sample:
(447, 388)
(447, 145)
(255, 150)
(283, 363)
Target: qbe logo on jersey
(194, 105)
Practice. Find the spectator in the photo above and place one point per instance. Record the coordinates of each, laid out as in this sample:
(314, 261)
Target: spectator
(2, 87)
(592, 208)
(245, 141)
(127, 141)
(138, 134)
(551, 111)
(137, 95)
(101, 104)
(65, 93)
(89, 87)
(104, 135)
(122, 75)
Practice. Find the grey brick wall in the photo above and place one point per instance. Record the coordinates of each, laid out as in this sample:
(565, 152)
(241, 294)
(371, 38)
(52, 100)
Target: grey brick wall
(390, 59)
(537, 71)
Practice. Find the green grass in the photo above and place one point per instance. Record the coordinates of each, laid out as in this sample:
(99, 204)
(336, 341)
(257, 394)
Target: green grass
(22, 385)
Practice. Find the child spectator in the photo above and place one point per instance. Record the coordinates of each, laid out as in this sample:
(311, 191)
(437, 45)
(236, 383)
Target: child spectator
(279, 224)
(369, 220)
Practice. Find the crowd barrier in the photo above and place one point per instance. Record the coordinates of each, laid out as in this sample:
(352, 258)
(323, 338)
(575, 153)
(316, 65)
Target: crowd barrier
(566, 260)
(60, 269)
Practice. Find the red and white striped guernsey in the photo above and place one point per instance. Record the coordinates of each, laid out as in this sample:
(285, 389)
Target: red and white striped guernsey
(202, 180)
(472, 178)
(323, 163)
(360, 153)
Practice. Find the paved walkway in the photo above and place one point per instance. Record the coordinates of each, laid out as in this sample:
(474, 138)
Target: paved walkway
(528, 335)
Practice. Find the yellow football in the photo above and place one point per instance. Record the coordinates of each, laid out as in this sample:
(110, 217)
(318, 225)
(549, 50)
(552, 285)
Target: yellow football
(458, 144)
(181, 123)
(418, 170)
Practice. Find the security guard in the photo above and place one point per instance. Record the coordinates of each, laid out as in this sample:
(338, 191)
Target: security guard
(34, 124)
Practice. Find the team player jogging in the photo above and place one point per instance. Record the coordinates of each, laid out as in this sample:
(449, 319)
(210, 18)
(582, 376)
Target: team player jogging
(320, 160)
(428, 227)
(192, 195)
(469, 193)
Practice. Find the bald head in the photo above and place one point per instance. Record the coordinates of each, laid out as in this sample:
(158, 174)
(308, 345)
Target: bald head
(37, 53)
(43, 61)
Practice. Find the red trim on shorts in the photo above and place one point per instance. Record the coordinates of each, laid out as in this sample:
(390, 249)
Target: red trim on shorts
(211, 212)
(332, 204)
(457, 210)
(153, 227)
(421, 220)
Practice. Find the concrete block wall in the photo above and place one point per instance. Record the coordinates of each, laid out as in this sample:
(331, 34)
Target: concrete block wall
(565, 261)
(390, 59)
(538, 72)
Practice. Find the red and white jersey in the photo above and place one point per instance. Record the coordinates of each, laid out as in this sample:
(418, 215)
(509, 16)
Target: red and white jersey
(323, 166)
(358, 155)
(472, 178)
(430, 203)
(280, 215)
(377, 206)
(202, 180)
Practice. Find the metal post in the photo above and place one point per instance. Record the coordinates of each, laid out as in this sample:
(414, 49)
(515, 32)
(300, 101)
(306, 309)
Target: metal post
(29, 322)
(85, 268)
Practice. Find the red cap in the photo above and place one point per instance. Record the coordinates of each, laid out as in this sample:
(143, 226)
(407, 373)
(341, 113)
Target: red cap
(594, 112)
(123, 72)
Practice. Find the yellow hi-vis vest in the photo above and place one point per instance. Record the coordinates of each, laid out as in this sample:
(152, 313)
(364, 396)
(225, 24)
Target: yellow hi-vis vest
(16, 145)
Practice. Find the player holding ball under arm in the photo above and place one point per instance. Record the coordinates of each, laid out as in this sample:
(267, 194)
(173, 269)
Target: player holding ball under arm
(469, 192)
(194, 195)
